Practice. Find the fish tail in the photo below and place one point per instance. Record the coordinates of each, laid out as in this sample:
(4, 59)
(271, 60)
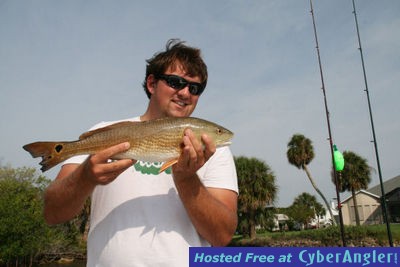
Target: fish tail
(52, 153)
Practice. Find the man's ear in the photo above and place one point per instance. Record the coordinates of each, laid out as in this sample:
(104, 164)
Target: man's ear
(151, 83)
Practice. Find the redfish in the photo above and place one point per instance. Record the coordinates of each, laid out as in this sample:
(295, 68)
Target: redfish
(157, 140)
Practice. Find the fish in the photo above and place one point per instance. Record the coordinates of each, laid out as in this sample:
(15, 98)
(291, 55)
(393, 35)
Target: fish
(158, 140)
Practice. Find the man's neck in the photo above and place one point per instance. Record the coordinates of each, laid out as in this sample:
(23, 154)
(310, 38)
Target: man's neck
(149, 115)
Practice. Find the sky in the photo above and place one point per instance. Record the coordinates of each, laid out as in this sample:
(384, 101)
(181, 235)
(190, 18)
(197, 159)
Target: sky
(67, 65)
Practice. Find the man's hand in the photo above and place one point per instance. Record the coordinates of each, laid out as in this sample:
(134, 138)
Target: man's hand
(97, 169)
(194, 155)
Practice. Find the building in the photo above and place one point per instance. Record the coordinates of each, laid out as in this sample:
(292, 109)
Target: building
(392, 192)
(280, 222)
(369, 209)
(321, 221)
(369, 204)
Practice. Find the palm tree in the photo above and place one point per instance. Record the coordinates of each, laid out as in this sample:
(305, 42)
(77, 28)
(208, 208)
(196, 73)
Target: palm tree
(355, 176)
(305, 207)
(300, 153)
(257, 190)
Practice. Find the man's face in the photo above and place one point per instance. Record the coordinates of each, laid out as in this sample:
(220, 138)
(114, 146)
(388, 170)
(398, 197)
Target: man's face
(169, 102)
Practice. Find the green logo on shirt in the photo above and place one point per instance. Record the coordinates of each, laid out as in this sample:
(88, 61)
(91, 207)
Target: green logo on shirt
(150, 167)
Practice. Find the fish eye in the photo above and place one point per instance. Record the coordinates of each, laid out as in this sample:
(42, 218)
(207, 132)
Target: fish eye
(219, 131)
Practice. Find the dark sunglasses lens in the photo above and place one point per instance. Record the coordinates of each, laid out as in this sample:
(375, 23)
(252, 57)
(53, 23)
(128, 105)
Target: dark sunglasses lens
(176, 82)
(195, 89)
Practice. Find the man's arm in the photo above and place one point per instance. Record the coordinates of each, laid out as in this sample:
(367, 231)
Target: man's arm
(212, 211)
(66, 195)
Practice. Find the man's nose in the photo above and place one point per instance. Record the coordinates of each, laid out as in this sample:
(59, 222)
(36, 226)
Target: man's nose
(184, 91)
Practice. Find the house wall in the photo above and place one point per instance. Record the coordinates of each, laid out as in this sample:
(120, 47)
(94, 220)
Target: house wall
(368, 208)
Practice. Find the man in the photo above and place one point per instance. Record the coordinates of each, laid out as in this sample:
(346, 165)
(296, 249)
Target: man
(140, 217)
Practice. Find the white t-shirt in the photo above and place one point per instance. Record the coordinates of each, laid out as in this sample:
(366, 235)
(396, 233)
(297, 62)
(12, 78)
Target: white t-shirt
(139, 219)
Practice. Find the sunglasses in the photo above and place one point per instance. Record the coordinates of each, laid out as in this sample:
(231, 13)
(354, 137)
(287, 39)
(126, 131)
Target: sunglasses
(178, 83)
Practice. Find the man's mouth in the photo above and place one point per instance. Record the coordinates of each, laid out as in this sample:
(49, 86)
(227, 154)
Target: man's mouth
(180, 103)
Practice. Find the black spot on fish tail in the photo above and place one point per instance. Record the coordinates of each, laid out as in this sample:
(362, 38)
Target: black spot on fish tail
(52, 153)
(59, 147)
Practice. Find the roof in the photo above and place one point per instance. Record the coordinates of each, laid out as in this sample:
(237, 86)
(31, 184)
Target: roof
(281, 217)
(361, 192)
(388, 186)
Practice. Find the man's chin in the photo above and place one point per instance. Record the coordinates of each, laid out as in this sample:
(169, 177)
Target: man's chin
(179, 113)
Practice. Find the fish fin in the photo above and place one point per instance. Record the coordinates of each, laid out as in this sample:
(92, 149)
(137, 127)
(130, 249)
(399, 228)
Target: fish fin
(167, 164)
(51, 153)
(106, 128)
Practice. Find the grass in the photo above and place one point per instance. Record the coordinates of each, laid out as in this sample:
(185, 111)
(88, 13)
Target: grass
(381, 231)
(371, 235)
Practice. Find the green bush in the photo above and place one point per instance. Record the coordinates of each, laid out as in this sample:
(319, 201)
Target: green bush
(24, 235)
(22, 231)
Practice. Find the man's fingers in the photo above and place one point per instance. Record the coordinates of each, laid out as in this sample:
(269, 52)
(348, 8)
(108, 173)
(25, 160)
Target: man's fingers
(108, 153)
(117, 166)
(100, 170)
(209, 144)
(194, 147)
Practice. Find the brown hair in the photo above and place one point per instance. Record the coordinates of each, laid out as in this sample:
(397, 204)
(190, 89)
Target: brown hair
(176, 52)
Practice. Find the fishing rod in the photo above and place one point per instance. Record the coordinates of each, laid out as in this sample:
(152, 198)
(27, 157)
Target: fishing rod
(383, 198)
(329, 128)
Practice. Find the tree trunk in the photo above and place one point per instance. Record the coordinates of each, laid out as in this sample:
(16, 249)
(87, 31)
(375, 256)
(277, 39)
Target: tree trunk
(320, 193)
(353, 194)
(252, 225)
(252, 230)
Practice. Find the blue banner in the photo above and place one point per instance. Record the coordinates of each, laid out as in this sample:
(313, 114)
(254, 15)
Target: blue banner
(294, 256)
